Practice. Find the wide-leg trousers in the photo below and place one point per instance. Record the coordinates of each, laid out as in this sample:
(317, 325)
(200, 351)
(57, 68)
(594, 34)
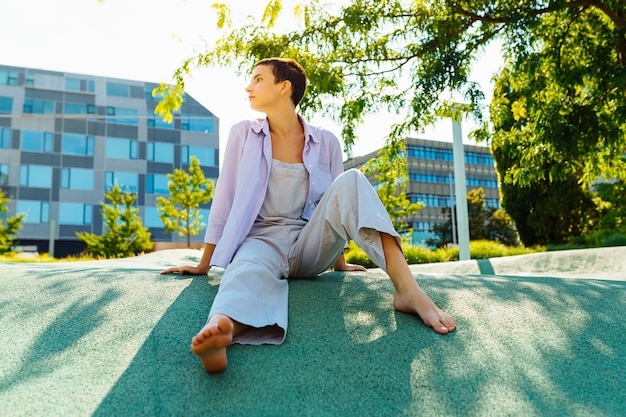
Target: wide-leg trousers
(254, 287)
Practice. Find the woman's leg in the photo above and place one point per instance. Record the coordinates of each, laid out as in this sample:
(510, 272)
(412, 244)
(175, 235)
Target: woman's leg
(409, 297)
(351, 209)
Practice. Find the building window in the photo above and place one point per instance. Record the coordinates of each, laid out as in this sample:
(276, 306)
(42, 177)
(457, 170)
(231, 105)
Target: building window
(126, 180)
(77, 145)
(32, 106)
(30, 80)
(428, 152)
(204, 125)
(121, 148)
(430, 200)
(8, 78)
(151, 217)
(160, 152)
(123, 116)
(117, 89)
(78, 108)
(5, 137)
(6, 104)
(72, 84)
(159, 123)
(36, 211)
(35, 141)
(91, 86)
(36, 176)
(206, 156)
(157, 184)
(75, 213)
(77, 179)
(479, 158)
(4, 174)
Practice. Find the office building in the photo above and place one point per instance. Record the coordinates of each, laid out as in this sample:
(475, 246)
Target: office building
(431, 180)
(65, 139)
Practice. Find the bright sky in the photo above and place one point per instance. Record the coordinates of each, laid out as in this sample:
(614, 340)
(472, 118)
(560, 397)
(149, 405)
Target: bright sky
(146, 40)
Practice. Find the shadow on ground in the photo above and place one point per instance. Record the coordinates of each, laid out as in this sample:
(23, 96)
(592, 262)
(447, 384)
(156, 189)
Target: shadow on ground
(524, 347)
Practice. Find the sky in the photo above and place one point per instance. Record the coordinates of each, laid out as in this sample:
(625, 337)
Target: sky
(147, 40)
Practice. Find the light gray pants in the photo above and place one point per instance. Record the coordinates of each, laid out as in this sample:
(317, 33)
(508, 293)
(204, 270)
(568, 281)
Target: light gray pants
(254, 287)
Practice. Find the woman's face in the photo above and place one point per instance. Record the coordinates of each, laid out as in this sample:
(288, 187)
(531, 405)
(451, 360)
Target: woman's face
(263, 91)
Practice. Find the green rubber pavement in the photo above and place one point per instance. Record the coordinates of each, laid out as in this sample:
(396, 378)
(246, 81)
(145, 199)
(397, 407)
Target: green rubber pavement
(538, 335)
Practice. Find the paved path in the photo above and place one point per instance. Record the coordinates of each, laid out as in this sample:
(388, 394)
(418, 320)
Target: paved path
(538, 335)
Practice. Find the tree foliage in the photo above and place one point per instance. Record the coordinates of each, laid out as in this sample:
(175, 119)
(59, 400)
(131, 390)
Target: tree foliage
(180, 212)
(9, 227)
(485, 223)
(559, 109)
(124, 234)
(390, 171)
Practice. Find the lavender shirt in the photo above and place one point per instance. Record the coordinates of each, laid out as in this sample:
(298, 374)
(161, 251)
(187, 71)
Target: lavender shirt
(243, 180)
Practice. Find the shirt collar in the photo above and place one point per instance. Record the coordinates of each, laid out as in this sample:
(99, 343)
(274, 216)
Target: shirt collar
(262, 125)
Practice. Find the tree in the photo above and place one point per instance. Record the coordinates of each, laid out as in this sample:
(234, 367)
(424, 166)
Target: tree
(389, 170)
(124, 233)
(180, 213)
(485, 223)
(559, 109)
(9, 227)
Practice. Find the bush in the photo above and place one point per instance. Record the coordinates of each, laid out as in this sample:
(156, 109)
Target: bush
(480, 249)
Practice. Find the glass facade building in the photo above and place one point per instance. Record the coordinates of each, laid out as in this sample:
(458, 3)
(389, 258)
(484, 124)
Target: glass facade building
(431, 180)
(65, 139)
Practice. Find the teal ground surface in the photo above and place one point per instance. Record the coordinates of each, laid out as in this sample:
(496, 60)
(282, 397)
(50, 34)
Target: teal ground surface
(538, 335)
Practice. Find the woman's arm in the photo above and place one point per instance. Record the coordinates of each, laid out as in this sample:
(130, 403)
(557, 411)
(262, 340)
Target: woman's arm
(202, 268)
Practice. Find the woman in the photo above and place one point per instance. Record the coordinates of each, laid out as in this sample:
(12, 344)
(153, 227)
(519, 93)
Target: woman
(283, 209)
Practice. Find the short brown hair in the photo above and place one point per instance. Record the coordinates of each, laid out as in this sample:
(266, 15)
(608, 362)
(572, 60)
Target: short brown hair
(287, 69)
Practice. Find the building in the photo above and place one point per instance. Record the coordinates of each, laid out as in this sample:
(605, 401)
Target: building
(65, 139)
(431, 179)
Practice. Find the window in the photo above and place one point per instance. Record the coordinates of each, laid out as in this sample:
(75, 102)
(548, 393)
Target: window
(160, 152)
(30, 80)
(123, 116)
(91, 86)
(8, 78)
(151, 217)
(5, 137)
(127, 181)
(4, 174)
(479, 158)
(160, 123)
(204, 125)
(77, 144)
(77, 179)
(6, 104)
(32, 106)
(157, 184)
(430, 200)
(117, 89)
(121, 148)
(206, 156)
(78, 108)
(36, 141)
(75, 213)
(36, 176)
(428, 152)
(72, 84)
(36, 211)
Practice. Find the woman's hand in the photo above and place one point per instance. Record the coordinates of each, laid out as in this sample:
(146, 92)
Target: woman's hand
(187, 269)
(349, 267)
(341, 265)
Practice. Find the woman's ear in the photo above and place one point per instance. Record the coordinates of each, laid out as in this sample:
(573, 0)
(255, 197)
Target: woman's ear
(285, 87)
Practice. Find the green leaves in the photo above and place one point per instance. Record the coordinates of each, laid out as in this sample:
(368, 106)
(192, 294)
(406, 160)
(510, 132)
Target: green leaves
(124, 234)
(9, 227)
(180, 213)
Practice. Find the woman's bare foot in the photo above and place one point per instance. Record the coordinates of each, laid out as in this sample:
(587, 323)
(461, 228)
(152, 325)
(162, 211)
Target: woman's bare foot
(418, 302)
(211, 342)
